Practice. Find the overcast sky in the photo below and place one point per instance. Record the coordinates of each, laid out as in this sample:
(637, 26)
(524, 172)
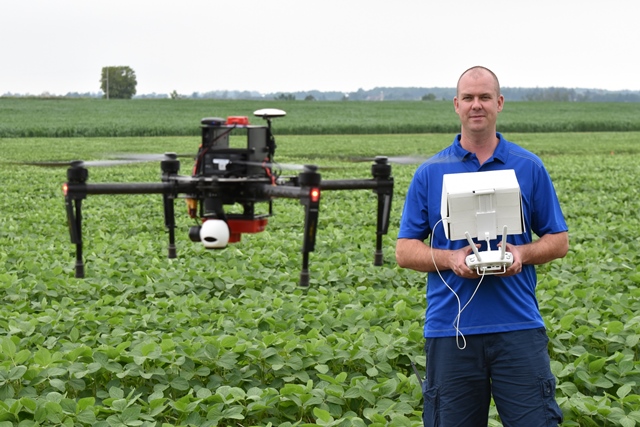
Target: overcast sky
(60, 46)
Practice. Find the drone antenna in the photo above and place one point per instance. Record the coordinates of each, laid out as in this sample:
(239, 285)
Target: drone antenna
(269, 113)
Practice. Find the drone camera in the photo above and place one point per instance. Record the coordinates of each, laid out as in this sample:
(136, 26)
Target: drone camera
(214, 234)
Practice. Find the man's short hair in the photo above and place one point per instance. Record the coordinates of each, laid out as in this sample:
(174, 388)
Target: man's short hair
(477, 68)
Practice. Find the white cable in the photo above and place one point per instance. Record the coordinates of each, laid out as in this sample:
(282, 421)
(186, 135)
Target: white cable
(456, 321)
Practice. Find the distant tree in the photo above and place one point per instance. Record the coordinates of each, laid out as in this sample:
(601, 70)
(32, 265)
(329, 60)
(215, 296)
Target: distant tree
(285, 97)
(551, 94)
(118, 82)
(175, 95)
(309, 98)
(429, 97)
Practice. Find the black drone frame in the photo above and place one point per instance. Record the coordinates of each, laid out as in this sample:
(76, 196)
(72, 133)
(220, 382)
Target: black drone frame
(248, 185)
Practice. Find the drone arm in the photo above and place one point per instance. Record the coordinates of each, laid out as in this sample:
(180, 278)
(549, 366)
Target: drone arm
(121, 188)
(382, 185)
(350, 184)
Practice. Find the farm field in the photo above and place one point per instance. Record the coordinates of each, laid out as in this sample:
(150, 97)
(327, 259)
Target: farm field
(227, 337)
(165, 117)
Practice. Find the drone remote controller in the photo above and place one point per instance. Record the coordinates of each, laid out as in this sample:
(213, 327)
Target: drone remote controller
(489, 262)
(493, 262)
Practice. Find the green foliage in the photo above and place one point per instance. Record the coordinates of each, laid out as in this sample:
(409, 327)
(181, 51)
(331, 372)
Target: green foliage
(118, 82)
(227, 338)
(162, 117)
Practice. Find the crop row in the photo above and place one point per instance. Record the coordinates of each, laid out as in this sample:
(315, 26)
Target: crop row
(70, 118)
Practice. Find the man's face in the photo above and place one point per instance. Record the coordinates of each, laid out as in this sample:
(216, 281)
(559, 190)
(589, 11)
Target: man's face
(478, 102)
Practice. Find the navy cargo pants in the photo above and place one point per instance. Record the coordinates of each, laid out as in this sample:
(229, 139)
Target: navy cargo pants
(511, 367)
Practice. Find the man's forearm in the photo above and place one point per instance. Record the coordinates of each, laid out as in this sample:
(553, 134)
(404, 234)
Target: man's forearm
(417, 255)
(545, 249)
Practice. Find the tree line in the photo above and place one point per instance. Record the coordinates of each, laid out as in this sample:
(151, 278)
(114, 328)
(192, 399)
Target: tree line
(120, 82)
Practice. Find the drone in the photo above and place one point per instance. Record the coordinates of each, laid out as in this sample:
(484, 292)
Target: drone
(223, 176)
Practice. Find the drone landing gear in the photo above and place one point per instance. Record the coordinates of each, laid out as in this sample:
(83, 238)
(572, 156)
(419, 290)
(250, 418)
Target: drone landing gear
(312, 208)
(381, 172)
(74, 217)
(170, 224)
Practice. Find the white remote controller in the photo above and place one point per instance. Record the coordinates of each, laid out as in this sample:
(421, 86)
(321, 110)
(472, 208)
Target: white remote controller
(493, 262)
(489, 262)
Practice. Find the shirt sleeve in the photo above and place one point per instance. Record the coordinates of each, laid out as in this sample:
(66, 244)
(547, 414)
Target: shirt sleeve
(547, 215)
(414, 223)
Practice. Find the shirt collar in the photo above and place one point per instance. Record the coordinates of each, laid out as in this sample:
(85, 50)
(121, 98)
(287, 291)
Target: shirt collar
(500, 153)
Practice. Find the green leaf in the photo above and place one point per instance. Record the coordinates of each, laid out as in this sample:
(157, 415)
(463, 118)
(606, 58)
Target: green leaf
(597, 365)
(130, 414)
(567, 321)
(42, 357)
(17, 372)
(8, 347)
(322, 415)
(614, 327)
(179, 383)
(87, 416)
(323, 369)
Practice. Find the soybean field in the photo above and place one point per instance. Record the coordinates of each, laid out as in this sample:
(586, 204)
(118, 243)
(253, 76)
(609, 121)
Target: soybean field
(226, 337)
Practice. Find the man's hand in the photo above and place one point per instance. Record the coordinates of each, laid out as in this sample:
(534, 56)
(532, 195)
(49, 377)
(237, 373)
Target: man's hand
(459, 265)
(516, 266)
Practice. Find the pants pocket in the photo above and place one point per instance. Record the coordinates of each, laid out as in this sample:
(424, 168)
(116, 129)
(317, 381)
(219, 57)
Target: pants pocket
(552, 410)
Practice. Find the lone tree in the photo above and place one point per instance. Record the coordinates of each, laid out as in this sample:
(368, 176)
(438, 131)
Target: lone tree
(118, 82)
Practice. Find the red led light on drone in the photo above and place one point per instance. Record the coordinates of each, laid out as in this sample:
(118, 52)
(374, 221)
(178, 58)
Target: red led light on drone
(315, 195)
(65, 188)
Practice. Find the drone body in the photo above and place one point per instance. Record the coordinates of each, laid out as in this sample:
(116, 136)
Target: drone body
(223, 176)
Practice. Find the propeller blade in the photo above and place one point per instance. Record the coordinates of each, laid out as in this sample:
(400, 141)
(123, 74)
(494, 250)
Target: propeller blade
(399, 160)
(289, 166)
(151, 157)
(79, 163)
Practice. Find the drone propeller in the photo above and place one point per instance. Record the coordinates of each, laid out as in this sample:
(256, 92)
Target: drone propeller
(399, 160)
(151, 157)
(289, 166)
(79, 163)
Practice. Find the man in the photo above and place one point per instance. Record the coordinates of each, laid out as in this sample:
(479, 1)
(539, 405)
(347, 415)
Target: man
(497, 345)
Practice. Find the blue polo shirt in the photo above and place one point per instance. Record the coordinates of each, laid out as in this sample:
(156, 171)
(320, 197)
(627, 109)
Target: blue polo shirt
(501, 304)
